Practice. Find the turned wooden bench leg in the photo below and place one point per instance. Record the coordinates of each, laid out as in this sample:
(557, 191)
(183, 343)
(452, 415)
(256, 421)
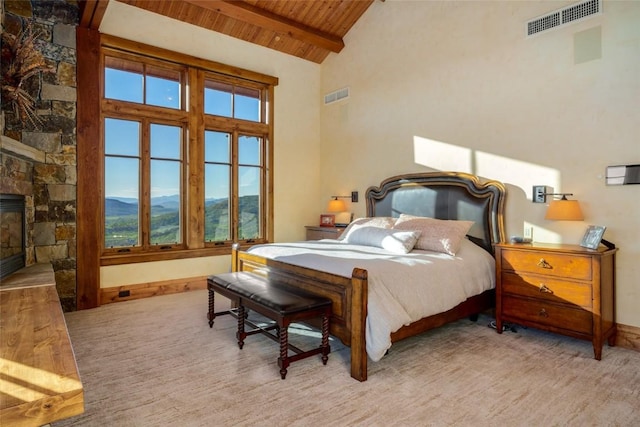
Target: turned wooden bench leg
(241, 335)
(212, 313)
(325, 338)
(283, 360)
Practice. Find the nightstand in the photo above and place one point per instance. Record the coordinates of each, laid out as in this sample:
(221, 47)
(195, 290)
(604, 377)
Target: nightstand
(566, 289)
(316, 232)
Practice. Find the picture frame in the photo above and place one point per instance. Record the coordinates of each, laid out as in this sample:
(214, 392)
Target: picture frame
(327, 220)
(592, 236)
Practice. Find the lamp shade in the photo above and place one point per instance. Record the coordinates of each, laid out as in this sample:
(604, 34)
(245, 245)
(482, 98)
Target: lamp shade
(336, 205)
(564, 210)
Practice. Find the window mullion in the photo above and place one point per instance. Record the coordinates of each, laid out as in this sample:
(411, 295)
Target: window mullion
(263, 186)
(194, 162)
(184, 186)
(234, 187)
(144, 84)
(145, 184)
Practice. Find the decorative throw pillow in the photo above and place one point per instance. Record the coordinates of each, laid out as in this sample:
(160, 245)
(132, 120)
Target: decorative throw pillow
(435, 234)
(396, 241)
(376, 221)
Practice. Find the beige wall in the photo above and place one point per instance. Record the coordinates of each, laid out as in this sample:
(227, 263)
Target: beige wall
(443, 86)
(457, 86)
(297, 129)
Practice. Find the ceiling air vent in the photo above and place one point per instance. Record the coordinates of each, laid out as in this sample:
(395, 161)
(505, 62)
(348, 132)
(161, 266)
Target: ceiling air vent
(336, 96)
(564, 16)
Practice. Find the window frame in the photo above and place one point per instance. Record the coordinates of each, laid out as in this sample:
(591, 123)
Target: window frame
(194, 123)
(235, 165)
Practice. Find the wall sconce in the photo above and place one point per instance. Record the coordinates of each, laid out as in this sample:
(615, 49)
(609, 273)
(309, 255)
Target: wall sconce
(563, 209)
(336, 205)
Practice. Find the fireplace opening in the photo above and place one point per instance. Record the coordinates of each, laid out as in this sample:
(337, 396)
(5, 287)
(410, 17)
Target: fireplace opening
(12, 234)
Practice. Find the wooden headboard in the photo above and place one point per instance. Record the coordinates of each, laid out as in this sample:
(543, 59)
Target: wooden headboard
(444, 195)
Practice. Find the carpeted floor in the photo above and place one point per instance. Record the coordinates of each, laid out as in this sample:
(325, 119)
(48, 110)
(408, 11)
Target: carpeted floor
(156, 362)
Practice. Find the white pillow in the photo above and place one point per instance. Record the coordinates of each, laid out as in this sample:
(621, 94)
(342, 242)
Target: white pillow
(400, 242)
(376, 221)
(437, 235)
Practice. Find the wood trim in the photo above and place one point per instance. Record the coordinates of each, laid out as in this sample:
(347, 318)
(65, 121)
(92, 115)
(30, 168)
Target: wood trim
(195, 170)
(89, 157)
(181, 58)
(215, 122)
(360, 292)
(92, 12)
(269, 194)
(628, 337)
(151, 289)
(250, 14)
(124, 110)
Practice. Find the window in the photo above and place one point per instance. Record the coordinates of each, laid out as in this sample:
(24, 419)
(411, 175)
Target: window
(234, 161)
(217, 184)
(228, 100)
(122, 182)
(220, 172)
(180, 179)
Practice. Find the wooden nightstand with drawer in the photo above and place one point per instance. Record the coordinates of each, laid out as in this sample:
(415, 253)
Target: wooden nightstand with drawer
(566, 289)
(317, 232)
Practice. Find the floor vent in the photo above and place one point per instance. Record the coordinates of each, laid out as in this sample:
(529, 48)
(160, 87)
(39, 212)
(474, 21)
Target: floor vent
(564, 16)
(336, 96)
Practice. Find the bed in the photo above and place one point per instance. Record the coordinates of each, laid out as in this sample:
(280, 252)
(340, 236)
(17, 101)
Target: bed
(347, 281)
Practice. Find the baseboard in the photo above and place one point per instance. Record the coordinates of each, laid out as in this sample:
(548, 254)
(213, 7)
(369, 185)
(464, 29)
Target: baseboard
(145, 290)
(628, 337)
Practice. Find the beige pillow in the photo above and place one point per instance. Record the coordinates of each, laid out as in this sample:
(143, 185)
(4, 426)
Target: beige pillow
(396, 241)
(375, 221)
(435, 234)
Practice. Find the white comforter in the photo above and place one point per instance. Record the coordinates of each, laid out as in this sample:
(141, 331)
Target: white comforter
(402, 288)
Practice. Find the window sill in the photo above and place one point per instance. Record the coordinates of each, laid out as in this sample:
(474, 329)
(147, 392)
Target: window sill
(133, 258)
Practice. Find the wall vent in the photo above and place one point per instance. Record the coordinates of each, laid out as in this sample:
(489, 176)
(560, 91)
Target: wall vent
(336, 96)
(564, 16)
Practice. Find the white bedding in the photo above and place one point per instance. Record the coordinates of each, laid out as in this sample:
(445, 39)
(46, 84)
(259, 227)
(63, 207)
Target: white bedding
(402, 288)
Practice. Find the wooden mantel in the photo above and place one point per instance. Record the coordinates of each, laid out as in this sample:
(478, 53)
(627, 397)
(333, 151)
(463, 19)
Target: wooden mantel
(39, 379)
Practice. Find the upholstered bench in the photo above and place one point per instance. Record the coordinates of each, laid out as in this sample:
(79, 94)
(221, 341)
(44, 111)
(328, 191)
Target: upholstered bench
(275, 301)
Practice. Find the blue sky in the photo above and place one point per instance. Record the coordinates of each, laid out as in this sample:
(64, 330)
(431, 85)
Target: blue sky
(122, 140)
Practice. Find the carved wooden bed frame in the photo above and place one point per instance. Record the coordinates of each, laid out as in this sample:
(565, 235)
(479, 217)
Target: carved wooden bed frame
(443, 195)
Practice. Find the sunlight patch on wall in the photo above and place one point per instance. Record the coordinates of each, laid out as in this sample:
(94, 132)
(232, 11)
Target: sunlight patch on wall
(518, 176)
(523, 175)
(441, 155)
(449, 157)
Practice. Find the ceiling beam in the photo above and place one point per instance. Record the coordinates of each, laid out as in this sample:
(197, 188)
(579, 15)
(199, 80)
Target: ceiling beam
(253, 15)
(92, 12)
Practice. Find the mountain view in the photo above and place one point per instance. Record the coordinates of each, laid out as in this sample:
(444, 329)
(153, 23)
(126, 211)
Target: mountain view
(121, 220)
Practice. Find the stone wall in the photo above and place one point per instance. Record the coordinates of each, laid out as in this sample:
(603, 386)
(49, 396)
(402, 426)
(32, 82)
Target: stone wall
(44, 169)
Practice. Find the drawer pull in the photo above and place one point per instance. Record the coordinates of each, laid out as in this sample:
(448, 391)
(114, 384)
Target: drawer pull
(543, 263)
(543, 313)
(544, 289)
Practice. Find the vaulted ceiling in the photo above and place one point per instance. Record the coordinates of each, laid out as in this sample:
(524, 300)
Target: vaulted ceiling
(308, 29)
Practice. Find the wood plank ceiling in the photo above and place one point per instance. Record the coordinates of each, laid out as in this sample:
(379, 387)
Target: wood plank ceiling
(308, 29)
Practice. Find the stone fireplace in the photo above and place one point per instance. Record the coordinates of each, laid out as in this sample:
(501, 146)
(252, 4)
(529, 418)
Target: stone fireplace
(38, 161)
(12, 234)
